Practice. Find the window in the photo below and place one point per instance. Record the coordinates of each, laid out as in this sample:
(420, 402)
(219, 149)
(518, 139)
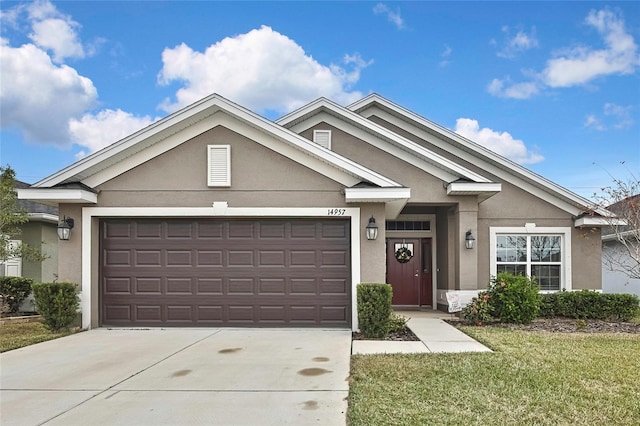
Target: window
(407, 225)
(219, 165)
(543, 253)
(322, 138)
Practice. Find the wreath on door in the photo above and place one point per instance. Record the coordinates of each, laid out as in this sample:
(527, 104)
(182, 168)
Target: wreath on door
(403, 255)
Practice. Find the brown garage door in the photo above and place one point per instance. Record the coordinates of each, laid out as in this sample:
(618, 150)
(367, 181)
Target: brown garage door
(232, 272)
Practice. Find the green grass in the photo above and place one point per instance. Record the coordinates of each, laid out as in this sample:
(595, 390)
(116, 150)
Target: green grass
(14, 336)
(532, 378)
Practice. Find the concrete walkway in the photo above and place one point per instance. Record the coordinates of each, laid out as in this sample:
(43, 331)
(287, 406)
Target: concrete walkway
(436, 336)
(179, 377)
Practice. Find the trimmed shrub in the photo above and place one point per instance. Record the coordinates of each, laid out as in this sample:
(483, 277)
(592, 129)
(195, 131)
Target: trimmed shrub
(588, 304)
(397, 322)
(479, 310)
(514, 298)
(374, 309)
(57, 303)
(13, 291)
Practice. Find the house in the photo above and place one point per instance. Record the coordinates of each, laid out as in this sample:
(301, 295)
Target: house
(620, 273)
(39, 232)
(216, 216)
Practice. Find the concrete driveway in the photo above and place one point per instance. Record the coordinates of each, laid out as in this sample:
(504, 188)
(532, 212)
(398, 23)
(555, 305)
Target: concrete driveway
(179, 377)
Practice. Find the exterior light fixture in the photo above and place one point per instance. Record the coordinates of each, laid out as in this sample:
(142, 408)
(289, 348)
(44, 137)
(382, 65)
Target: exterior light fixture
(372, 229)
(64, 228)
(469, 241)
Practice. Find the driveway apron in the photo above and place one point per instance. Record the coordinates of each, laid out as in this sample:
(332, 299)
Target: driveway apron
(225, 376)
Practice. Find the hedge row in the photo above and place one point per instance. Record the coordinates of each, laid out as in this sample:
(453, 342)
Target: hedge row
(587, 304)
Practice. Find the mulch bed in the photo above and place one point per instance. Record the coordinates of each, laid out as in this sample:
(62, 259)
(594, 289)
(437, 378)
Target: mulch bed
(405, 335)
(568, 325)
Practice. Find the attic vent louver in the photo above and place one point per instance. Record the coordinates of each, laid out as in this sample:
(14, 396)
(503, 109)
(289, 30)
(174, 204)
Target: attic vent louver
(322, 138)
(219, 165)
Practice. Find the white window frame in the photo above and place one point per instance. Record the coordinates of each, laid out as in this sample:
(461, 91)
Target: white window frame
(226, 152)
(530, 230)
(316, 133)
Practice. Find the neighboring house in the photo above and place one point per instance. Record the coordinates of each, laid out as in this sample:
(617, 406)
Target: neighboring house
(39, 232)
(615, 280)
(217, 216)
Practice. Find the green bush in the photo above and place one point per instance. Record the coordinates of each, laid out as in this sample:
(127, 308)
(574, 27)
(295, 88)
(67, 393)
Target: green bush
(587, 304)
(57, 303)
(397, 322)
(479, 310)
(514, 298)
(13, 291)
(374, 309)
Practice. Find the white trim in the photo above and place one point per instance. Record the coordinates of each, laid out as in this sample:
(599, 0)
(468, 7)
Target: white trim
(472, 152)
(57, 195)
(219, 209)
(376, 195)
(219, 157)
(598, 221)
(43, 217)
(473, 188)
(195, 119)
(326, 111)
(531, 229)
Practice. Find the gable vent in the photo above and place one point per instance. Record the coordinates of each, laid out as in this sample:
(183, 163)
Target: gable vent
(322, 138)
(219, 165)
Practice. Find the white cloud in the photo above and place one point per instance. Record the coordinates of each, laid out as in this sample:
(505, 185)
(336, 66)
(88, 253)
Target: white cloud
(52, 30)
(506, 89)
(580, 65)
(42, 96)
(521, 42)
(615, 116)
(392, 16)
(262, 70)
(593, 122)
(446, 54)
(499, 142)
(96, 131)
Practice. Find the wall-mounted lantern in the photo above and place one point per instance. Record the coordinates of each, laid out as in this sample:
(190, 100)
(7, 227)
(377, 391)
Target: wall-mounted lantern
(469, 241)
(372, 229)
(64, 228)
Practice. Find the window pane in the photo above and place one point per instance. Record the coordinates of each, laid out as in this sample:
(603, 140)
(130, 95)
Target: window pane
(513, 269)
(548, 276)
(511, 248)
(545, 249)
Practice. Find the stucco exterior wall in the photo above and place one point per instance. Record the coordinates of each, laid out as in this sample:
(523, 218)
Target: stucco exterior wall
(41, 235)
(260, 177)
(373, 267)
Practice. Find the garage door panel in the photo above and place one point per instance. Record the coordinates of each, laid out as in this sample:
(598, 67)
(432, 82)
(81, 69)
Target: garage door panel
(211, 272)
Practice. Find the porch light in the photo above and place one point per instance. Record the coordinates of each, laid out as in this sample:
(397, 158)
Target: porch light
(64, 228)
(372, 229)
(469, 241)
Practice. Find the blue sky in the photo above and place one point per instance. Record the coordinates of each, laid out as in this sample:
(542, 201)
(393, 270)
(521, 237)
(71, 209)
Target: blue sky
(554, 86)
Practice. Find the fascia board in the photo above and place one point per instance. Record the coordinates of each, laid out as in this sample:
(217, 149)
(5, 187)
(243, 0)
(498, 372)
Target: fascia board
(472, 188)
(196, 113)
(494, 163)
(343, 114)
(58, 195)
(599, 221)
(42, 217)
(616, 236)
(376, 195)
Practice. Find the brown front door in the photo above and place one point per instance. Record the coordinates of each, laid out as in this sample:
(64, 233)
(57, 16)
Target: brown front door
(411, 281)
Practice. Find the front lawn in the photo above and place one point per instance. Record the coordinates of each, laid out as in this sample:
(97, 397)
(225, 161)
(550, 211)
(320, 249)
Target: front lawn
(531, 378)
(14, 336)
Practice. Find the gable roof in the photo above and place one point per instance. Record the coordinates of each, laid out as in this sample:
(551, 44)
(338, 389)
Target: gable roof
(323, 109)
(194, 119)
(470, 151)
